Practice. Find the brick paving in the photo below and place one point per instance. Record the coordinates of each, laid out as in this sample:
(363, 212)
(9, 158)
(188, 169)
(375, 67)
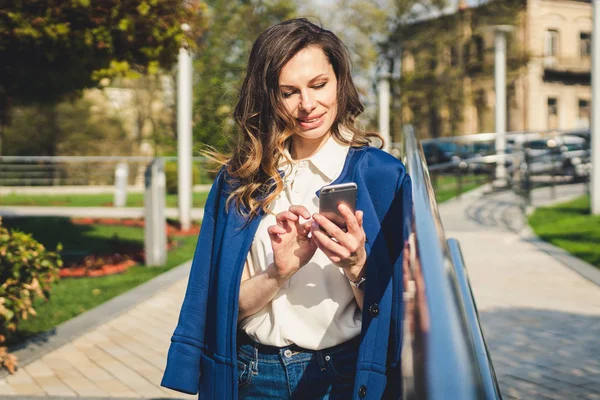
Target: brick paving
(122, 358)
(541, 321)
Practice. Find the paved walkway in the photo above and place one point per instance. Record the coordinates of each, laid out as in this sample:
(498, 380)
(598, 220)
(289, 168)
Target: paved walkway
(540, 318)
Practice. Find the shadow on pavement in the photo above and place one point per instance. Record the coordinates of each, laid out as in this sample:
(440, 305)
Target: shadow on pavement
(544, 354)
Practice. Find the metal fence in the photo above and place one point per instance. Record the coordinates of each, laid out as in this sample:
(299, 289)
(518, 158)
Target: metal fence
(88, 170)
(531, 159)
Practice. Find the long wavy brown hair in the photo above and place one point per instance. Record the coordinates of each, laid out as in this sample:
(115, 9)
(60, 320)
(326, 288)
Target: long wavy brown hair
(265, 125)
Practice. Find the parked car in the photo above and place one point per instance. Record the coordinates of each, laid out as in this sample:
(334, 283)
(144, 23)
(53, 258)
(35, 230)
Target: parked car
(438, 152)
(566, 155)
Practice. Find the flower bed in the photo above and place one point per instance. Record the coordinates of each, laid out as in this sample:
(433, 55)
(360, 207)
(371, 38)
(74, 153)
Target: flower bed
(95, 265)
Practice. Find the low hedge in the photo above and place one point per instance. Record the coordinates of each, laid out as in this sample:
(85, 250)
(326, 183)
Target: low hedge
(27, 271)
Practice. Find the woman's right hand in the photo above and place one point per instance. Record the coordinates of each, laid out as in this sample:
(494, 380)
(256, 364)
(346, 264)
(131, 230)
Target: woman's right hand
(292, 246)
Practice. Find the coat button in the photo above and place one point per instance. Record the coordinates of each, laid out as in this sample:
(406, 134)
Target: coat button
(374, 310)
(362, 391)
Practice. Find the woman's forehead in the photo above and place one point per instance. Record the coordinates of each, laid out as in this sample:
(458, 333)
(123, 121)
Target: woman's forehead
(306, 65)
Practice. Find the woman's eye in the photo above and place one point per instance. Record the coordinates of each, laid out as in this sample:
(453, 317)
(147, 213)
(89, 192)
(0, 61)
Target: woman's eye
(286, 95)
(320, 85)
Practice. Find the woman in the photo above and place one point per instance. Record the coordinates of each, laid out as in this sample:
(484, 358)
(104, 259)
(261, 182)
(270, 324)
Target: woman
(274, 305)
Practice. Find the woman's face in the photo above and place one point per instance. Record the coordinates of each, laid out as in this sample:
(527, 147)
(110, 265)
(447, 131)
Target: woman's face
(308, 88)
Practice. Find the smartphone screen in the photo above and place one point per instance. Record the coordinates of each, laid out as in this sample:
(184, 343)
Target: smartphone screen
(333, 195)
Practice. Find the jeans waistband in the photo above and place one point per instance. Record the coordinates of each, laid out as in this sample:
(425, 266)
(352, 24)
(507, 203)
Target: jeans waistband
(243, 338)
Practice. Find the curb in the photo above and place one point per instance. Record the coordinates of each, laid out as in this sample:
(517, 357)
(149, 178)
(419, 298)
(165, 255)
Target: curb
(583, 268)
(45, 342)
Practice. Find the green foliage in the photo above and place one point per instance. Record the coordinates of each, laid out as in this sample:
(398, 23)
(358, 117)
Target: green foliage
(77, 127)
(571, 227)
(221, 60)
(171, 177)
(51, 48)
(27, 271)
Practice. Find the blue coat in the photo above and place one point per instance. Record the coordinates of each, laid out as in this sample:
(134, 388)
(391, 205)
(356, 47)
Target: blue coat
(202, 357)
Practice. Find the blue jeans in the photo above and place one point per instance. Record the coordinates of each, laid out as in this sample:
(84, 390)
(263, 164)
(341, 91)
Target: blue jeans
(267, 372)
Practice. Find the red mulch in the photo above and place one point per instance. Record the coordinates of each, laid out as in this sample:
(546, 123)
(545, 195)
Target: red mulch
(172, 229)
(93, 265)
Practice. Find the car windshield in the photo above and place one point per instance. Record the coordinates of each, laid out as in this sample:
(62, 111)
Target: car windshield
(575, 146)
(448, 147)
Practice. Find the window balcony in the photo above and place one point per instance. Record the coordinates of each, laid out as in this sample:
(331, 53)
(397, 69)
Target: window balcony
(572, 70)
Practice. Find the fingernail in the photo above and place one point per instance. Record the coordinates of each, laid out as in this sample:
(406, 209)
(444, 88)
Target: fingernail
(316, 216)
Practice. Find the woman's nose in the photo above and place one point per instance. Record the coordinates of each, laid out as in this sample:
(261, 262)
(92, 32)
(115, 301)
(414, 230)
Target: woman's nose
(307, 101)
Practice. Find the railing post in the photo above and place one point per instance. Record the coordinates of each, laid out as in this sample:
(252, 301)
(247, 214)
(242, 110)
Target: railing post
(121, 177)
(527, 180)
(155, 236)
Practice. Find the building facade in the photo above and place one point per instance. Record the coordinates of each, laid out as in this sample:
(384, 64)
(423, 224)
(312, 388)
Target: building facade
(447, 83)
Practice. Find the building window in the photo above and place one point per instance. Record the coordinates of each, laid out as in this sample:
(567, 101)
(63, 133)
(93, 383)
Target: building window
(551, 47)
(585, 44)
(552, 113)
(583, 114)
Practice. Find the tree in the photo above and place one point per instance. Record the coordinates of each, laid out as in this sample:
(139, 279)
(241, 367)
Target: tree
(221, 60)
(51, 49)
(365, 27)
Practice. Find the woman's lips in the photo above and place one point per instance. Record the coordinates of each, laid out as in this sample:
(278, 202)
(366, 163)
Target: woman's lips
(311, 123)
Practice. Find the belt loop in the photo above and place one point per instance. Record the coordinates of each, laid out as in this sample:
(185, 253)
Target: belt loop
(320, 360)
(255, 363)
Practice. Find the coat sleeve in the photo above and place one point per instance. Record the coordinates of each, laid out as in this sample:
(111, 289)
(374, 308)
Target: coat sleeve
(183, 361)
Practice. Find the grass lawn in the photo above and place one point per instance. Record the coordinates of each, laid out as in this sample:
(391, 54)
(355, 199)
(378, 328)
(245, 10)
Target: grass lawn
(446, 186)
(571, 227)
(73, 296)
(91, 200)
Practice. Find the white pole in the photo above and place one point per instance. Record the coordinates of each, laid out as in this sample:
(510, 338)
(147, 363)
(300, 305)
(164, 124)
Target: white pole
(184, 138)
(384, 110)
(595, 125)
(500, 83)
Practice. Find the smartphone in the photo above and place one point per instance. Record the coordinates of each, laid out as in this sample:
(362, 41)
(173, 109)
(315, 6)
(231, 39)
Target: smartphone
(332, 196)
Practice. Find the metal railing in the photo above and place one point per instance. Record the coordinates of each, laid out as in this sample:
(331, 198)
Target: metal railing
(80, 170)
(444, 351)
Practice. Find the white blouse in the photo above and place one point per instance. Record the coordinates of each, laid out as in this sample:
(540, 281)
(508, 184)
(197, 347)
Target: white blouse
(316, 309)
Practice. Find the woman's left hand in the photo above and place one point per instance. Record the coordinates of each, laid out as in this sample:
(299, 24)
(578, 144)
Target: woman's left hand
(344, 249)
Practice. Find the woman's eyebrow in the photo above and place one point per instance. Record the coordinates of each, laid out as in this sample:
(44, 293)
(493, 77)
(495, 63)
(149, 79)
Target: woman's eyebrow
(309, 82)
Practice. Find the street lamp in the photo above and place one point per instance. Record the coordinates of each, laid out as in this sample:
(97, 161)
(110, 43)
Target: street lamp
(500, 33)
(184, 133)
(595, 125)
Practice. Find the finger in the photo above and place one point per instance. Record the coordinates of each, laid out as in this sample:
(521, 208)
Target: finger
(359, 218)
(350, 218)
(276, 230)
(334, 258)
(326, 243)
(301, 211)
(305, 228)
(347, 240)
(328, 226)
(285, 216)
